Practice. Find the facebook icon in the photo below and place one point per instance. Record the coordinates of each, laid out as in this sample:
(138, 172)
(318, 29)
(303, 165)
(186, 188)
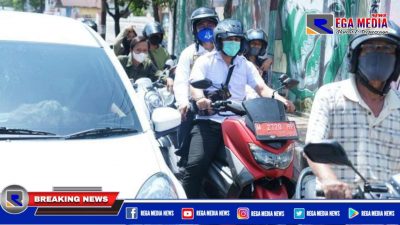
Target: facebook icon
(132, 213)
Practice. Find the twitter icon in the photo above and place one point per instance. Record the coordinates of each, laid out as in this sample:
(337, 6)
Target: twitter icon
(299, 213)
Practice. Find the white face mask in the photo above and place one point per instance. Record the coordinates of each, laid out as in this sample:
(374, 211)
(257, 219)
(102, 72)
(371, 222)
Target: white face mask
(139, 57)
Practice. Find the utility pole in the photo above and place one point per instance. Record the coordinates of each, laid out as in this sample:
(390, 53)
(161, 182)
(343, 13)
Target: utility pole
(103, 18)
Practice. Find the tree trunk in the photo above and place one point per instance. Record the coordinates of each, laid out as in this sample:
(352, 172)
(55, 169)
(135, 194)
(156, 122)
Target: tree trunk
(103, 18)
(155, 11)
(41, 6)
(117, 14)
(228, 9)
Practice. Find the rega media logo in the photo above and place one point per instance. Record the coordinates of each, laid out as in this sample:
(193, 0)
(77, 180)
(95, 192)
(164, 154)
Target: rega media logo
(319, 24)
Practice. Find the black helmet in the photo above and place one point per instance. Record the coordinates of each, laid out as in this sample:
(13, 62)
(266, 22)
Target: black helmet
(151, 29)
(355, 48)
(200, 14)
(257, 34)
(228, 28)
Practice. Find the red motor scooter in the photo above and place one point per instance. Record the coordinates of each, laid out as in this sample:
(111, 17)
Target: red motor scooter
(256, 160)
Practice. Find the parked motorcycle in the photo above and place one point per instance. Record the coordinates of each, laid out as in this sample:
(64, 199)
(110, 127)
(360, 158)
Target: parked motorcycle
(154, 95)
(331, 152)
(256, 159)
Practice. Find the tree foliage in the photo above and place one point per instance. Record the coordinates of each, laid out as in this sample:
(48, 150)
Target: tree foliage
(19, 5)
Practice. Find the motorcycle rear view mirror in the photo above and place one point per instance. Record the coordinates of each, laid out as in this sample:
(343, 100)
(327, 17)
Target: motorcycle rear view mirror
(201, 84)
(290, 83)
(329, 152)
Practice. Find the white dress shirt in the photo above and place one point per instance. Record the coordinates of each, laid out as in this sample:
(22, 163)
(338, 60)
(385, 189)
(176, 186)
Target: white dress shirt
(182, 72)
(213, 67)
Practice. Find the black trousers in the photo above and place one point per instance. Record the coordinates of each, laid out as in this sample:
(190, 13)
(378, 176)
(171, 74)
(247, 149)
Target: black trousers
(206, 139)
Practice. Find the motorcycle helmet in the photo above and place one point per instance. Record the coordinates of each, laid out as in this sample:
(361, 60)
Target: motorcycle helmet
(154, 33)
(257, 34)
(354, 50)
(228, 28)
(202, 13)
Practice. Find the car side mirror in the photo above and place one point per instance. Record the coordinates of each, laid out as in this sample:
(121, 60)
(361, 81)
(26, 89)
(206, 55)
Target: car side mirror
(165, 119)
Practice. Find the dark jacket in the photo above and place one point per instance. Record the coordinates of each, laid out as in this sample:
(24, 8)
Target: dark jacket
(144, 69)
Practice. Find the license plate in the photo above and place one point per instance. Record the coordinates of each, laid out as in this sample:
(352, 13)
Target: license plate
(276, 130)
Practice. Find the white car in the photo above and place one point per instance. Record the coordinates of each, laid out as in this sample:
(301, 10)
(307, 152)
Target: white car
(69, 116)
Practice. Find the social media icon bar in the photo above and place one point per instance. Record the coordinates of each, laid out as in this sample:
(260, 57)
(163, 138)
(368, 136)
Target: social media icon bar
(187, 213)
(132, 213)
(14, 199)
(243, 213)
(299, 213)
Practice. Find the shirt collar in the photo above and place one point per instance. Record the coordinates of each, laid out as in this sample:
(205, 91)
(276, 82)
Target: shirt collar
(236, 60)
(392, 99)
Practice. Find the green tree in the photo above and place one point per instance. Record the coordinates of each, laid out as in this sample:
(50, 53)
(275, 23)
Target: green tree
(37, 5)
(121, 10)
(6, 3)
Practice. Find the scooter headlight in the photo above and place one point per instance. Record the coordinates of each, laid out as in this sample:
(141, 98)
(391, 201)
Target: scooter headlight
(153, 100)
(158, 186)
(167, 96)
(270, 160)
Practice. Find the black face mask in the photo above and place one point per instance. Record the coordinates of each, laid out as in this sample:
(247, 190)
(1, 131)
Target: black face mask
(254, 51)
(377, 65)
(155, 40)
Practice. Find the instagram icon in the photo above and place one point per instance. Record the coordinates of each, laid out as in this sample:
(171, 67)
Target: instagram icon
(243, 213)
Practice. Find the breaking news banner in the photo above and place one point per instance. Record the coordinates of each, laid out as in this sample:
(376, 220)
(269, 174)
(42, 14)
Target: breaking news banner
(97, 207)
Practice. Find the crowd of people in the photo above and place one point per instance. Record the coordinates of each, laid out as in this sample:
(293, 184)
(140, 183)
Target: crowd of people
(362, 113)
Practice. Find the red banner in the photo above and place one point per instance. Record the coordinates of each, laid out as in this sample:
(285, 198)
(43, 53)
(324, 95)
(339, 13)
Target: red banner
(72, 199)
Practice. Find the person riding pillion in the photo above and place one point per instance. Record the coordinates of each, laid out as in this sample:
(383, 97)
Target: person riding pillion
(231, 71)
(257, 42)
(203, 21)
(157, 53)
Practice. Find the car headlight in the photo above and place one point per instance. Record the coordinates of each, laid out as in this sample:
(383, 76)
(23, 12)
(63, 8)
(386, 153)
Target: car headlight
(158, 186)
(270, 160)
(153, 100)
(166, 96)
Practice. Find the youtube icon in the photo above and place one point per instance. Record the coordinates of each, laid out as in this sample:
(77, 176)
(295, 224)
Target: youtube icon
(187, 213)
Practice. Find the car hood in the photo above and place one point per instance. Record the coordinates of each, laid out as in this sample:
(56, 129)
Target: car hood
(120, 164)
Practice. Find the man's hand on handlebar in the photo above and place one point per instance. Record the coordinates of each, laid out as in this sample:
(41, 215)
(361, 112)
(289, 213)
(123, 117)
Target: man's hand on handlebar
(289, 106)
(204, 104)
(336, 189)
(170, 85)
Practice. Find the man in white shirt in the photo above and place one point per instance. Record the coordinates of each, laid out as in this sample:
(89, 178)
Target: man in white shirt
(206, 135)
(203, 22)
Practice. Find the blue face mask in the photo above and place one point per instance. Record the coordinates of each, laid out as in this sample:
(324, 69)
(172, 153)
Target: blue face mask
(231, 48)
(205, 35)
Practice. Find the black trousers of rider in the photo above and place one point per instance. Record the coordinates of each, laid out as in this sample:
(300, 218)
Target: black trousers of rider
(206, 138)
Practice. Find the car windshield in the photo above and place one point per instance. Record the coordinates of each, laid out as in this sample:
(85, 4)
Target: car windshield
(61, 89)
